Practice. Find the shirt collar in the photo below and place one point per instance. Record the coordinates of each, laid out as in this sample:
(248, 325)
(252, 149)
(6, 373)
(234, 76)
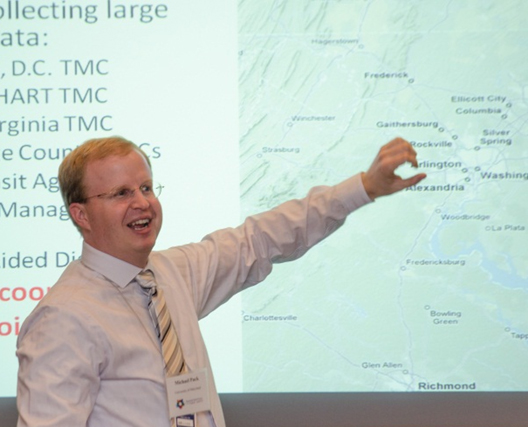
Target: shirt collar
(114, 269)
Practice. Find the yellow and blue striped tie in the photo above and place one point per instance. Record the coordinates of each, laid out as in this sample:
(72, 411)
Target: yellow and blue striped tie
(159, 313)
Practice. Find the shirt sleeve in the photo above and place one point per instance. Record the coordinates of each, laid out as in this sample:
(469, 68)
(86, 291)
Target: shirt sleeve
(58, 369)
(233, 259)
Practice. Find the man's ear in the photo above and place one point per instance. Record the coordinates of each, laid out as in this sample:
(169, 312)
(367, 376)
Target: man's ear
(79, 216)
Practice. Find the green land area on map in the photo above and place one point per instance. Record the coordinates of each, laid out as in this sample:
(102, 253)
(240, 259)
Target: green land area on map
(425, 290)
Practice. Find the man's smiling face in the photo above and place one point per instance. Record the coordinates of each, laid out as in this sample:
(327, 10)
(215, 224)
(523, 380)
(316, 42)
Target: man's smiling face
(124, 228)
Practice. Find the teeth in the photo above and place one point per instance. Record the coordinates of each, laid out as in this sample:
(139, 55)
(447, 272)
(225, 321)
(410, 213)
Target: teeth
(139, 223)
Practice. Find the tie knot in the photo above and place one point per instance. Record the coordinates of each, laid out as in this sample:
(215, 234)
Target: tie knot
(145, 279)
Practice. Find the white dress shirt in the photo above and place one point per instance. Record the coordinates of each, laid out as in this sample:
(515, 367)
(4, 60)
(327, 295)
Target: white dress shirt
(88, 354)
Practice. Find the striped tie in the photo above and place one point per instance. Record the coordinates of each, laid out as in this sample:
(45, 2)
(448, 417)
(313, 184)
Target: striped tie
(170, 346)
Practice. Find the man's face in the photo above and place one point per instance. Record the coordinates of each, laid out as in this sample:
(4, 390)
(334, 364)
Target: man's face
(126, 229)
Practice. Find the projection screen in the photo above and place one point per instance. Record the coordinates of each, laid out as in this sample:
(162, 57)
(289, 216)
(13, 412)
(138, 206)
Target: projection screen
(242, 105)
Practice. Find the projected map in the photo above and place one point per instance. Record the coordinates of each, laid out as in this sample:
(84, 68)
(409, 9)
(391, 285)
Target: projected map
(426, 290)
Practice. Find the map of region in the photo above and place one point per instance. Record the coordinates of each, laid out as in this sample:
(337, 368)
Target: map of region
(426, 290)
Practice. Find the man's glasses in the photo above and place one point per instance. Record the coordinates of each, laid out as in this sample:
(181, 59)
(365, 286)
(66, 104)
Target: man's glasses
(149, 191)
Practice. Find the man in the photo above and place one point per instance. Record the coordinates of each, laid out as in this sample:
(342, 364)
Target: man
(88, 353)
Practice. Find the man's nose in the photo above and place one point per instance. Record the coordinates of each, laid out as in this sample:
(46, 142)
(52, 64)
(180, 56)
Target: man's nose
(139, 200)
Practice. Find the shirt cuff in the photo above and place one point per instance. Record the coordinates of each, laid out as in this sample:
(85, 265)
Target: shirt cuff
(352, 193)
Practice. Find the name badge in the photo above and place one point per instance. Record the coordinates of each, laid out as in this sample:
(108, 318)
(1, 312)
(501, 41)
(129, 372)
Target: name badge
(188, 393)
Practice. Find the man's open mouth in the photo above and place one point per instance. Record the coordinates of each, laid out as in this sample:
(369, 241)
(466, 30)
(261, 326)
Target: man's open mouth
(140, 224)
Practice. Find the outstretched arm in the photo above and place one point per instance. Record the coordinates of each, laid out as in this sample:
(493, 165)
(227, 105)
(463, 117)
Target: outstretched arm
(380, 179)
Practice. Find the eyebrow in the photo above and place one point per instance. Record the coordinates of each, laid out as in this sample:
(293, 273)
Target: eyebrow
(124, 186)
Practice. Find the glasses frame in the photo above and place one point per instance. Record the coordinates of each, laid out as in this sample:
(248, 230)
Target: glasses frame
(117, 195)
